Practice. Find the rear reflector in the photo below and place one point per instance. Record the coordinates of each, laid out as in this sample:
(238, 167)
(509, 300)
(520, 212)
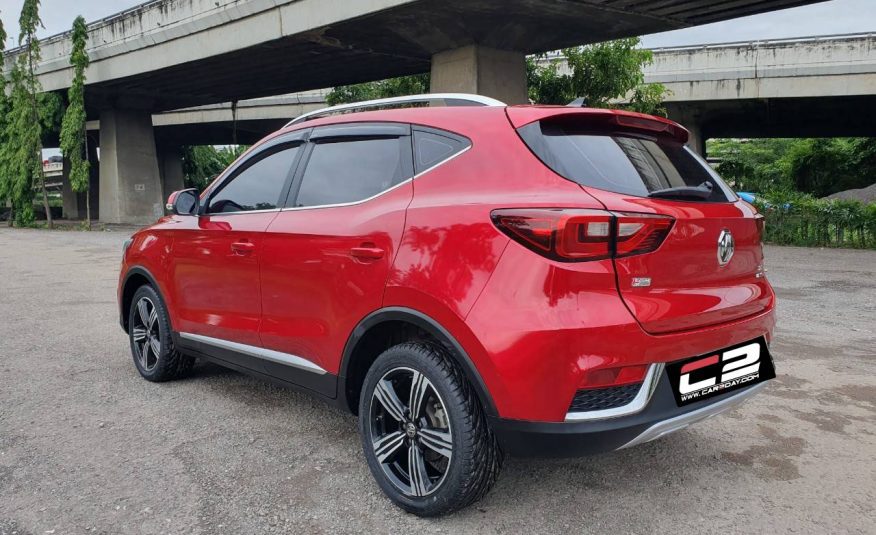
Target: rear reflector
(623, 375)
(578, 235)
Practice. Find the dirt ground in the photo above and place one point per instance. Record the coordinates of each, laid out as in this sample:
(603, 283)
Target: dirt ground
(87, 446)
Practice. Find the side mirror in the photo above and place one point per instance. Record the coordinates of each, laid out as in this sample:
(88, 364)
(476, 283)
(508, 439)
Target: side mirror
(184, 202)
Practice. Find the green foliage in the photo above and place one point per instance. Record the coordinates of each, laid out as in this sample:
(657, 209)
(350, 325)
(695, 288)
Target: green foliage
(5, 180)
(818, 167)
(601, 73)
(21, 150)
(29, 111)
(202, 163)
(798, 219)
(73, 126)
(394, 87)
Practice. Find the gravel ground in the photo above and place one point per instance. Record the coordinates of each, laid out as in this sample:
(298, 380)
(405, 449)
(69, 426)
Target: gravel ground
(87, 446)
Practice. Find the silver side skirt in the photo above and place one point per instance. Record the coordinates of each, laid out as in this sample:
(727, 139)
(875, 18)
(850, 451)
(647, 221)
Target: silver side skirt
(680, 422)
(258, 352)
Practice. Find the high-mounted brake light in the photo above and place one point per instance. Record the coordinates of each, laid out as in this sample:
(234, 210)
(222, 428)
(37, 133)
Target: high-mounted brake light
(578, 235)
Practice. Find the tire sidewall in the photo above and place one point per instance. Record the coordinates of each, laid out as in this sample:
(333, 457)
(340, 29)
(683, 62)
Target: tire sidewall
(405, 356)
(164, 335)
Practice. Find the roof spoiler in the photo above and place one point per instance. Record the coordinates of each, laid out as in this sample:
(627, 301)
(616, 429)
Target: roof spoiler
(600, 118)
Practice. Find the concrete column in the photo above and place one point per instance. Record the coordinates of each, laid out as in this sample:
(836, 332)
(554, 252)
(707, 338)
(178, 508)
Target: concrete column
(500, 74)
(94, 176)
(72, 203)
(172, 177)
(697, 141)
(690, 120)
(130, 182)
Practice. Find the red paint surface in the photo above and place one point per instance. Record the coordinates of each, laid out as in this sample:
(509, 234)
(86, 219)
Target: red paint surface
(533, 327)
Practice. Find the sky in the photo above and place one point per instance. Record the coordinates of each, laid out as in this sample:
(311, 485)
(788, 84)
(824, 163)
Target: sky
(833, 17)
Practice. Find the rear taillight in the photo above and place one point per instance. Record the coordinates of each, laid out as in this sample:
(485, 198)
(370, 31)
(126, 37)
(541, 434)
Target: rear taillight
(578, 235)
(760, 221)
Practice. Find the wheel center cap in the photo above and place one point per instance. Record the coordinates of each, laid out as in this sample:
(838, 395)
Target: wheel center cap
(411, 429)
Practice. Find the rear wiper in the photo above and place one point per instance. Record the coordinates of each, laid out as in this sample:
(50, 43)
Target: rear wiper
(703, 191)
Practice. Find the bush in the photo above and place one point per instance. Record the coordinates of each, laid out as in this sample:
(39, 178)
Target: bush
(798, 219)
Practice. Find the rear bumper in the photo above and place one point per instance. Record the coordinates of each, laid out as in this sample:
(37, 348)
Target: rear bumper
(573, 439)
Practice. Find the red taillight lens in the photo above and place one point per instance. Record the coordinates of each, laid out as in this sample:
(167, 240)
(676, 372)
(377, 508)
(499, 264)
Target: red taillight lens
(640, 233)
(577, 235)
(760, 221)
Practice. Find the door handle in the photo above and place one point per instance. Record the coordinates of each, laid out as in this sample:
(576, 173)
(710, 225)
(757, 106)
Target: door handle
(242, 247)
(367, 253)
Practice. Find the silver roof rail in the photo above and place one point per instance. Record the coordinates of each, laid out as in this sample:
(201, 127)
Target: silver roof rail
(464, 98)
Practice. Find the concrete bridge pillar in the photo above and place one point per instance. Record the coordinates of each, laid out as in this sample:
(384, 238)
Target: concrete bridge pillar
(72, 203)
(171, 168)
(130, 181)
(690, 120)
(500, 74)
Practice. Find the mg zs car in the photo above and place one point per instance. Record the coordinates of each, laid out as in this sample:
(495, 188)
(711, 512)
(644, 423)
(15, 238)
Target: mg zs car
(470, 281)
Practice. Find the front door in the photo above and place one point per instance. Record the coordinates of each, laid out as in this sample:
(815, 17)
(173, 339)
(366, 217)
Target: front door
(216, 255)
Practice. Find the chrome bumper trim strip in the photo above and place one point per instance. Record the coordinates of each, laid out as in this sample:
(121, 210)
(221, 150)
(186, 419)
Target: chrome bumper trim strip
(636, 405)
(680, 422)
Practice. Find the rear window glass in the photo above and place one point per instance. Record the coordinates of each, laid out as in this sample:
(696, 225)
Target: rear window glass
(622, 164)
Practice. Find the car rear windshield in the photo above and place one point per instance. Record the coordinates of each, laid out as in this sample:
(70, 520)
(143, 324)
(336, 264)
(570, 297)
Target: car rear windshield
(621, 163)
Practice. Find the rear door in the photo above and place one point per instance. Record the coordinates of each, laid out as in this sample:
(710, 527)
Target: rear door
(327, 254)
(709, 269)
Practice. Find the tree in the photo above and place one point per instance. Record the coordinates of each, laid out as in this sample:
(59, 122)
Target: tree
(601, 74)
(73, 133)
(818, 167)
(202, 163)
(30, 111)
(5, 178)
(394, 87)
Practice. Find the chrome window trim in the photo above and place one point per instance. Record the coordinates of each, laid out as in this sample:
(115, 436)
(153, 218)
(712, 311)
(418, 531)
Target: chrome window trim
(681, 421)
(259, 352)
(242, 212)
(649, 385)
(353, 203)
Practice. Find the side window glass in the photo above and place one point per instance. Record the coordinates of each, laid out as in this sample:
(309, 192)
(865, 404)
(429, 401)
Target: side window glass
(258, 186)
(351, 170)
(432, 148)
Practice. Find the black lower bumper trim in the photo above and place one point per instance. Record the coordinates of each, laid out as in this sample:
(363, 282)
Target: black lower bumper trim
(575, 439)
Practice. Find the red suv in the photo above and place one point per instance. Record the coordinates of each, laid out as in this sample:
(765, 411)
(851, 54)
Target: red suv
(471, 281)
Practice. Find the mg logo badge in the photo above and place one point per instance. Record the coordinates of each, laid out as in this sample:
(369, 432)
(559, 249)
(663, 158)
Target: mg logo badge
(726, 247)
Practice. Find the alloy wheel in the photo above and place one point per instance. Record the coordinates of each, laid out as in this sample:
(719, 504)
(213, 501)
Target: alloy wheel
(410, 432)
(146, 333)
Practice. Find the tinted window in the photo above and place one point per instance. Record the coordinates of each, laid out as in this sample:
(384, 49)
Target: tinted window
(431, 148)
(258, 186)
(352, 170)
(629, 165)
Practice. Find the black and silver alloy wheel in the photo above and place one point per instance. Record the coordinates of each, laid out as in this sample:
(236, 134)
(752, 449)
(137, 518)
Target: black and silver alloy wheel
(424, 432)
(150, 337)
(410, 432)
(146, 334)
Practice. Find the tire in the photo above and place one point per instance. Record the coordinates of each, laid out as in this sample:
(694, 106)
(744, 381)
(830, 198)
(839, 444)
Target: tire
(151, 341)
(448, 438)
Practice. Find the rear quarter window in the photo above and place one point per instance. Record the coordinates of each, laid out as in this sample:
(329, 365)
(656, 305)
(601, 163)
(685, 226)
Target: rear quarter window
(620, 162)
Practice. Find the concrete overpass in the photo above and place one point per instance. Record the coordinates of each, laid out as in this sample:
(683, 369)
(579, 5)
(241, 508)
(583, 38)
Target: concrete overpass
(170, 54)
(802, 87)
